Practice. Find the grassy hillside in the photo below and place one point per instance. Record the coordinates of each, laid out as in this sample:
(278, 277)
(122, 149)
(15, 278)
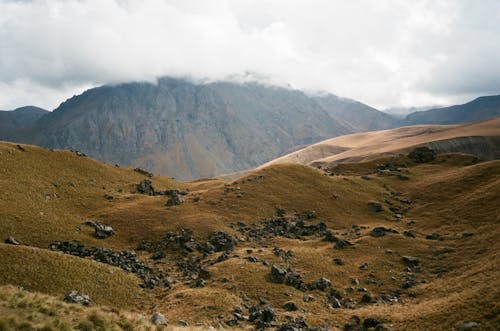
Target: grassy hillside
(453, 197)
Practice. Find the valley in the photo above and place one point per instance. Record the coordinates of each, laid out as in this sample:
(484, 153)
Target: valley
(386, 243)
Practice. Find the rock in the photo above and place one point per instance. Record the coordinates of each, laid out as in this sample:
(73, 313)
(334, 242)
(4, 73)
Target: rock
(78, 298)
(12, 241)
(409, 234)
(145, 187)
(364, 266)
(290, 306)
(159, 319)
(174, 200)
(222, 241)
(108, 197)
(297, 324)
(262, 317)
(21, 148)
(433, 236)
(410, 260)
(183, 323)
(371, 322)
(408, 284)
(338, 261)
(158, 255)
(366, 298)
(321, 284)
(278, 274)
(308, 298)
(375, 206)
(102, 231)
(143, 172)
(379, 231)
(199, 283)
(422, 155)
(353, 324)
(465, 326)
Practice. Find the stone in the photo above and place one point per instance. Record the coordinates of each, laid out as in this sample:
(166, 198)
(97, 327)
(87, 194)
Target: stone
(409, 234)
(108, 197)
(278, 274)
(262, 317)
(338, 261)
(410, 260)
(174, 200)
(465, 326)
(371, 322)
(290, 306)
(143, 172)
(200, 283)
(12, 241)
(222, 241)
(183, 323)
(308, 298)
(363, 266)
(145, 187)
(367, 298)
(433, 236)
(422, 155)
(297, 324)
(158, 255)
(375, 206)
(78, 298)
(408, 284)
(379, 231)
(102, 231)
(321, 284)
(159, 319)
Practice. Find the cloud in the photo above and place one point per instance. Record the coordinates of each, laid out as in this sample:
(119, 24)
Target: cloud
(385, 53)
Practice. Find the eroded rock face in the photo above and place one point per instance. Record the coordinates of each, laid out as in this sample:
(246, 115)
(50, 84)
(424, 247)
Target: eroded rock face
(422, 155)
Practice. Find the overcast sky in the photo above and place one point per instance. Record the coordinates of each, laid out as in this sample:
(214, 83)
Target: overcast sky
(382, 52)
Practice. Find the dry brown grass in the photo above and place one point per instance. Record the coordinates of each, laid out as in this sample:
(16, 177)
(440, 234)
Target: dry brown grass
(452, 196)
(40, 270)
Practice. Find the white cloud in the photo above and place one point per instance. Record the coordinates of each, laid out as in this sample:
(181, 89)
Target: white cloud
(382, 52)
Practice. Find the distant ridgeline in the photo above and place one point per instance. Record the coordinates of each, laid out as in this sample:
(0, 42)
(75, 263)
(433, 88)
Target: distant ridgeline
(189, 130)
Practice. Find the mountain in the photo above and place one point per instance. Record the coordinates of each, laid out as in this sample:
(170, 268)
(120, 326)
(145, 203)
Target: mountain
(15, 124)
(358, 116)
(189, 130)
(411, 247)
(481, 139)
(478, 109)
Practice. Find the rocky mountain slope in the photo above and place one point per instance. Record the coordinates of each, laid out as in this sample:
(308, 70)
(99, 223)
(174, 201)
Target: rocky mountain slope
(188, 130)
(481, 139)
(392, 243)
(479, 109)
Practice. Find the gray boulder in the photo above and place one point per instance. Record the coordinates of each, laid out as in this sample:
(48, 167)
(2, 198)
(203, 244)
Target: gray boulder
(12, 241)
(78, 298)
(159, 319)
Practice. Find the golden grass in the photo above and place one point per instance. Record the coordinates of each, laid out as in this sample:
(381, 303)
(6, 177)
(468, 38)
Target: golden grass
(452, 196)
(58, 274)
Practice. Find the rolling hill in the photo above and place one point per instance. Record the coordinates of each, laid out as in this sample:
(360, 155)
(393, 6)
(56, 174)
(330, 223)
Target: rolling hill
(481, 139)
(410, 247)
